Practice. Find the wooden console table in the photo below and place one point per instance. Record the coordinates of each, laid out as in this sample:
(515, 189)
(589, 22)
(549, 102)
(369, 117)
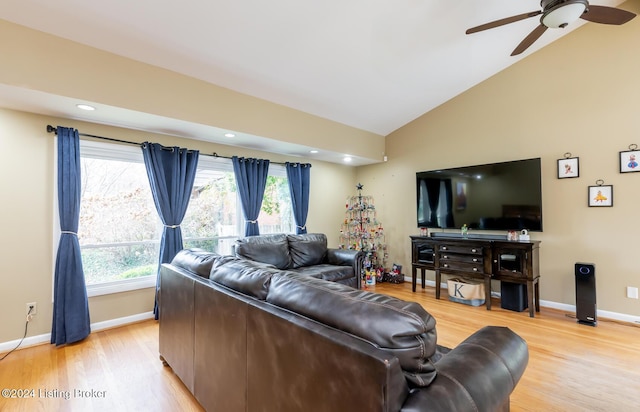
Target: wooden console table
(485, 259)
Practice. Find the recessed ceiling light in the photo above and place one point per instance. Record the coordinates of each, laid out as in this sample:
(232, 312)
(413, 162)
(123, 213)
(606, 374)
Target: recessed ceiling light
(229, 135)
(347, 159)
(85, 107)
(313, 151)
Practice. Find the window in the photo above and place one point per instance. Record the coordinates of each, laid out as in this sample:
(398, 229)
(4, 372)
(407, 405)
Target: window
(120, 231)
(214, 218)
(276, 214)
(119, 228)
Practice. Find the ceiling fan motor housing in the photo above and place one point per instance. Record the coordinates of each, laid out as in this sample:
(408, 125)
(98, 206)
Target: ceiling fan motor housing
(560, 13)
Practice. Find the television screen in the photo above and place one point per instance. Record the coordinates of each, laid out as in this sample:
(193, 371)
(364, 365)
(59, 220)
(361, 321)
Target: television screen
(497, 196)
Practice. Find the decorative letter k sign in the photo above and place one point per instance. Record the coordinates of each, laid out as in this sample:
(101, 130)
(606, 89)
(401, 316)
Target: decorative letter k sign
(457, 292)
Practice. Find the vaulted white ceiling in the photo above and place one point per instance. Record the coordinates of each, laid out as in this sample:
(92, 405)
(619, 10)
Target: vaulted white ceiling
(371, 64)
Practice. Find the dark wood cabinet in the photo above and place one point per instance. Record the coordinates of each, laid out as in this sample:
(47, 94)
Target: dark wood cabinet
(484, 259)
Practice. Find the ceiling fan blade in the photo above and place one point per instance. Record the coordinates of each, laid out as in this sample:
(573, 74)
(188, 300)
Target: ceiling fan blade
(607, 15)
(504, 21)
(530, 39)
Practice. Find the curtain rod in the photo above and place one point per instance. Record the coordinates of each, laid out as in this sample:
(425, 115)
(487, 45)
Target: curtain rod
(51, 129)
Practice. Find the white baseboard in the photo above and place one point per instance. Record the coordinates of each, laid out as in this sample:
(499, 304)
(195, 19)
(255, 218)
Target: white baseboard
(114, 323)
(605, 314)
(28, 341)
(95, 327)
(559, 306)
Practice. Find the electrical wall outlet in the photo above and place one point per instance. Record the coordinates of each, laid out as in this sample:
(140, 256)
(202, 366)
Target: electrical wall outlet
(34, 311)
(632, 293)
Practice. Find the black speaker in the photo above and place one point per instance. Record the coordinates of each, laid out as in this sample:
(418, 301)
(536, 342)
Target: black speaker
(586, 293)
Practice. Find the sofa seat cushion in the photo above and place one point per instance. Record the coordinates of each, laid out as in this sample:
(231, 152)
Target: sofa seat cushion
(307, 249)
(271, 249)
(244, 276)
(325, 271)
(404, 329)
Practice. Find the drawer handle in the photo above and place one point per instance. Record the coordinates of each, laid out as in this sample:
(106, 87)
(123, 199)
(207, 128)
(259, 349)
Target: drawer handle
(445, 265)
(444, 248)
(445, 257)
(474, 250)
(475, 269)
(475, 259)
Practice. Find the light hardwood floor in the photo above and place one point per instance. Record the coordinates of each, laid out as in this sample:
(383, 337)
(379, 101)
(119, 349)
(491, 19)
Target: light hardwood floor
(572, 367)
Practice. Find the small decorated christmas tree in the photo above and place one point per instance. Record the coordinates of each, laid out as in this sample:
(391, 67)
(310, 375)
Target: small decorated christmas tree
(362, 231)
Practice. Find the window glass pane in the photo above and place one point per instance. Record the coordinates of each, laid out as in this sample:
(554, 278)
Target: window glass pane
(119, 227)
(276, 215)
(211, 221)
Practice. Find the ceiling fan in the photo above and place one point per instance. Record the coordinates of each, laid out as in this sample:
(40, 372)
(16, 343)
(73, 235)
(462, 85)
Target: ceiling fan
(559, 14)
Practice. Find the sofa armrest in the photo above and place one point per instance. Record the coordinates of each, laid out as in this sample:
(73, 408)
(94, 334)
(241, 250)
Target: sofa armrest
(342, 257)
(347, 257)
(477, 375)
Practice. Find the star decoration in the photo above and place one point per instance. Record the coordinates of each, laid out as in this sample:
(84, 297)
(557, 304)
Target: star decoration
(359, 186)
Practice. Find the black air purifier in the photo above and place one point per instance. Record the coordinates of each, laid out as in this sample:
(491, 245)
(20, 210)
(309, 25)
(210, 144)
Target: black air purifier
(586, 293)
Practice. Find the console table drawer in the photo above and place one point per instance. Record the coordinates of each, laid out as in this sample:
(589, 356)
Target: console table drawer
(462, 266)
(447, 257)
(475, 250)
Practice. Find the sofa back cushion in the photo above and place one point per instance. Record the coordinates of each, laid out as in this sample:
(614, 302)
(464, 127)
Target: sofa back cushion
(307, 249)
(244, 276)
(404, 329)
(198, 261)
(271, 249)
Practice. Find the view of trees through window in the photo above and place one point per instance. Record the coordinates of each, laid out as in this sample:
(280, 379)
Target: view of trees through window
(120, 230)
(119, 227)
(214, 219)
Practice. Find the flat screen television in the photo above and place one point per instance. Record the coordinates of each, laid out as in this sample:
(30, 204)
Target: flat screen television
(498, 196)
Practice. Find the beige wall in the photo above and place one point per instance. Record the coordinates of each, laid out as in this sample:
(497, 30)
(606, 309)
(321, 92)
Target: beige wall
(579, 95)
(26, 244)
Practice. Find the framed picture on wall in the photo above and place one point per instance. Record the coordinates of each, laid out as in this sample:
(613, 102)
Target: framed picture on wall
(601, 196)
(568, 167)
(629, 161)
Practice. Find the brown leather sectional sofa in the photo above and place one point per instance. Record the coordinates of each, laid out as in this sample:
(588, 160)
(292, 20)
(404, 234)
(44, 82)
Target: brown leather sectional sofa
(306, 254)
(246, 336)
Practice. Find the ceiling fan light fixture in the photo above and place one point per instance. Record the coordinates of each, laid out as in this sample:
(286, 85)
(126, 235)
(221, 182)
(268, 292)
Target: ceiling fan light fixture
(564, 14)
